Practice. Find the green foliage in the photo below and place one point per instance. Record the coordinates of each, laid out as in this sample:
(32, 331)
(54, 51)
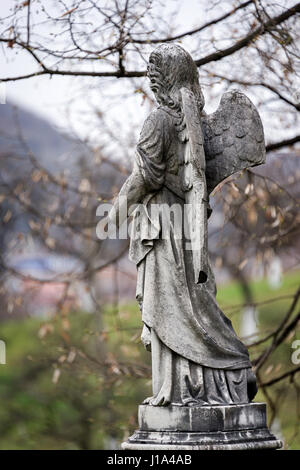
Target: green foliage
(75, 382)
(283, 398)
(53, 400)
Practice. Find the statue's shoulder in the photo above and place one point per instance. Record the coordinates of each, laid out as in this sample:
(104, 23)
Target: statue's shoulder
(160, 119)
(162, 113)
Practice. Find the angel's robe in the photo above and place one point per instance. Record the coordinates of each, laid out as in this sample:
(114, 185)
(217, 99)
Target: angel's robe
(196, 355)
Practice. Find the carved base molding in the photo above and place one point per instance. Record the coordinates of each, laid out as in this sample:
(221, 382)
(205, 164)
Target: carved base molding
(219, 427)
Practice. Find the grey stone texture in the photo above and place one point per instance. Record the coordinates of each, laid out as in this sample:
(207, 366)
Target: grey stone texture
(181, 155)
(202, 377)
(202, 418)
(231, 427)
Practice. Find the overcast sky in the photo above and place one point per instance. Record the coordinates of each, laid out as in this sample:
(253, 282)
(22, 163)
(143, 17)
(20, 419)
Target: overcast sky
(48, 97)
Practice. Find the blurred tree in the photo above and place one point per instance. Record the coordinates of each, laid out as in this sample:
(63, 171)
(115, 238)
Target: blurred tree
(251, 45)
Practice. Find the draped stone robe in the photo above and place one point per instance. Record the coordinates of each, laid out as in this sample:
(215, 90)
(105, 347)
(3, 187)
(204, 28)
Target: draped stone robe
(196, 356)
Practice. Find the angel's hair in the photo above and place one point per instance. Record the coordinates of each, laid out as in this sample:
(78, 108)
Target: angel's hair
(170, 68)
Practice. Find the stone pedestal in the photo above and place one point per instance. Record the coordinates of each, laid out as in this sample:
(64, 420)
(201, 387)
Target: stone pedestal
(230, 427)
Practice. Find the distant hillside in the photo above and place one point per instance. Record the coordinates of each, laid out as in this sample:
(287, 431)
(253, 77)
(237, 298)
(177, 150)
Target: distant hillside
(22, 132)
(43, 139)
(54, 151)
(61, 153)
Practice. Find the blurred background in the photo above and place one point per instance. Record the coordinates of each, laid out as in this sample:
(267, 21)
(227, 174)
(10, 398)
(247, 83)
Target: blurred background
(74, 96)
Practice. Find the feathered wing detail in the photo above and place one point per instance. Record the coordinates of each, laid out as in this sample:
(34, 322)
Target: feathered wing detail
(233, 138)
(194, 185)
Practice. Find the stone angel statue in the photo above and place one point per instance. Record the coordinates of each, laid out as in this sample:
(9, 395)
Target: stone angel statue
(181, 156)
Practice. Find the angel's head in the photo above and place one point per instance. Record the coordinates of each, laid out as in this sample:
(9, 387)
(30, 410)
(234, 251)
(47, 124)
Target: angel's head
(170, 68)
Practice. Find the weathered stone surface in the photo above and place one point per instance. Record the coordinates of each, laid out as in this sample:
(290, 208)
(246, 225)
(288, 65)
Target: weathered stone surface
(198, 361)
(181, 155)
(235, 427)
(202, 418)
(260, 439)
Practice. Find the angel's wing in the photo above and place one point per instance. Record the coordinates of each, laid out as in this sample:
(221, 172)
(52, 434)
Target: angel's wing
(233, 138)
(194, 185)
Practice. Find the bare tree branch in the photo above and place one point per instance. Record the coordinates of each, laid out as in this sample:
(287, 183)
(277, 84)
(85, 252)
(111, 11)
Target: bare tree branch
(290, 373)
(283, 143)
(245, 41)
(123, 73)
(193, 31)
